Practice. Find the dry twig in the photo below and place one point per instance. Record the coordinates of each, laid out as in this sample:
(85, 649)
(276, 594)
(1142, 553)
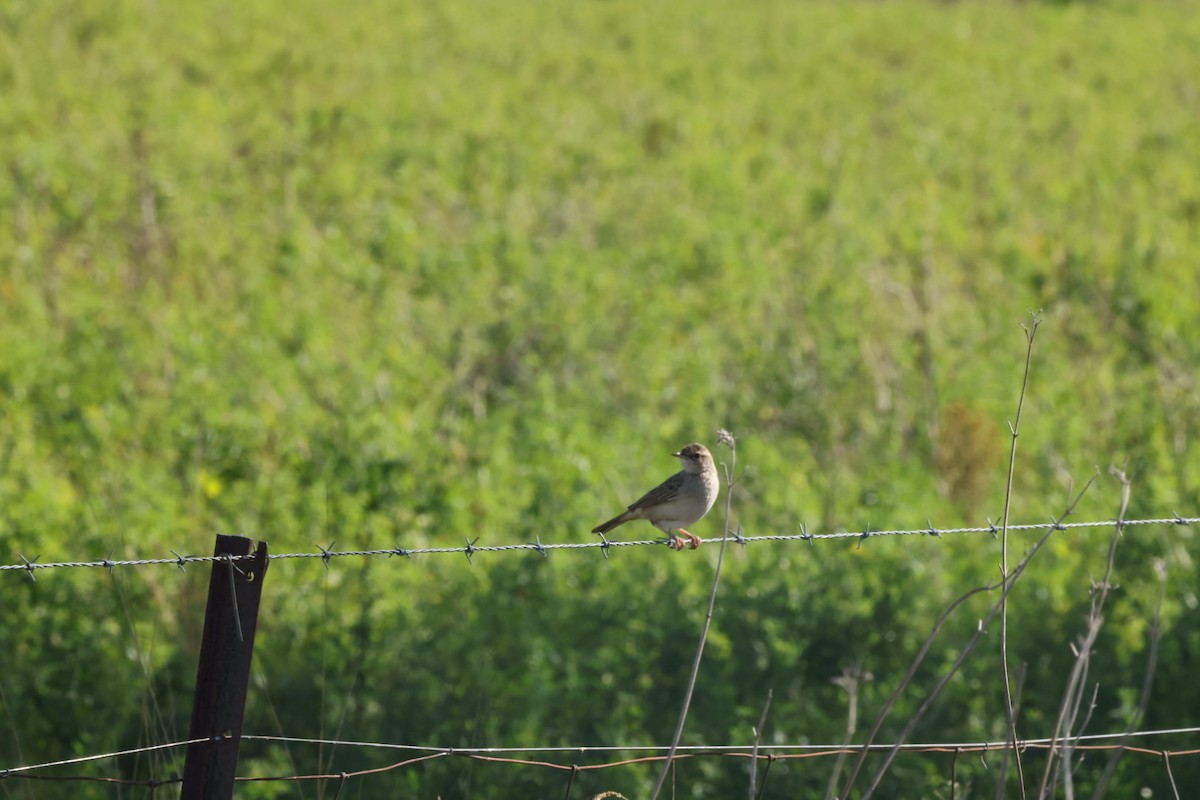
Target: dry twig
(1015, 429)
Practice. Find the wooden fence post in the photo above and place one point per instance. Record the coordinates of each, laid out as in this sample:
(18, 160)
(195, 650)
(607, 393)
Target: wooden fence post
(223, 674)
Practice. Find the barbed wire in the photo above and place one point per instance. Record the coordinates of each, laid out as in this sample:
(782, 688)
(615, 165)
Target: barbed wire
(471, 548)
(654, 753)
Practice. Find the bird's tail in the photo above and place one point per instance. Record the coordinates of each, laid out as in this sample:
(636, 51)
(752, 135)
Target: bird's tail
(605, 527)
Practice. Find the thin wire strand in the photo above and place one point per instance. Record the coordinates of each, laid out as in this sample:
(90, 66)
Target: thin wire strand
(582, 749)
(811, 749)
(656, 753)
(11, 771)
(31, 565)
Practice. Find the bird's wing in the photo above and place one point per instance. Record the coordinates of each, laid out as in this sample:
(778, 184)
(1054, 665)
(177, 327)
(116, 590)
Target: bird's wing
(665, 492)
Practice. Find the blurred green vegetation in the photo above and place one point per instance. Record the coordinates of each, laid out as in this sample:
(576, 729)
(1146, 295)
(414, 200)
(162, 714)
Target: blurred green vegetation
(392, 272)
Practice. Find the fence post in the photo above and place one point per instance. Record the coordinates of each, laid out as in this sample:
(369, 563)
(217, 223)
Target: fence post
(223, 675)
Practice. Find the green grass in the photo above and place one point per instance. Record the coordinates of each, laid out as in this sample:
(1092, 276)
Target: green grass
(389, 272)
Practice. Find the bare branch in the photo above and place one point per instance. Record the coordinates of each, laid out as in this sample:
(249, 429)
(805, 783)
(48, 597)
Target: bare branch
(1007, 586)
(904, 682)
(1072, 693)
(1170, 775)
(1160, 567)
(958, 662)
(1002, 773)
(758, 731)
(1014, 428)
(850, 680)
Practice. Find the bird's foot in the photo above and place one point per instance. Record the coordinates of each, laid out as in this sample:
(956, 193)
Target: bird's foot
(677, 543)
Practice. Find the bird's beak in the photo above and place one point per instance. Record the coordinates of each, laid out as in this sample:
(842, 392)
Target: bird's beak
(677, 455)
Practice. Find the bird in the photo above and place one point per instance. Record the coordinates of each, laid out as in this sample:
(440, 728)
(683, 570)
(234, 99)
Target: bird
(682, 499)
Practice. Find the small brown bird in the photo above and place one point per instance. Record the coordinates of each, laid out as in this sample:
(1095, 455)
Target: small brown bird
(681, 499)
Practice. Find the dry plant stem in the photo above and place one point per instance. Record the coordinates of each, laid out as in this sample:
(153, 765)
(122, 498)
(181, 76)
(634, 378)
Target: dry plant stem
(1002, 773)
(322, 765)
(1066, 769)
(1007, 586)
(1147, 684)
(708, 616)
(1170, 775)
(958, 662)
(771, 760)
(850, 680)
(908, 676)
(1073, 692)
(1015, 428)
(758, 731)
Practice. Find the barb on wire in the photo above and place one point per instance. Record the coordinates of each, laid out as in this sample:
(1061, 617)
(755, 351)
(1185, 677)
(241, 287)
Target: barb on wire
(862, 537)
(29, 565)
(327, 554)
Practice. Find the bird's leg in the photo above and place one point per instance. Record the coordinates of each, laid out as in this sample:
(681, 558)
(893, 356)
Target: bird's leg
(693, 540)
(674, 542)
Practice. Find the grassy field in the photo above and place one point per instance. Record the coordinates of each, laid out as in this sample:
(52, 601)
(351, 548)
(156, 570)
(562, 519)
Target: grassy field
(388, 272)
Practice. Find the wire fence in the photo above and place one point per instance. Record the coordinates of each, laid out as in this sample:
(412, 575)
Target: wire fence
(471, 547)
(572, 760)
(569, 758)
